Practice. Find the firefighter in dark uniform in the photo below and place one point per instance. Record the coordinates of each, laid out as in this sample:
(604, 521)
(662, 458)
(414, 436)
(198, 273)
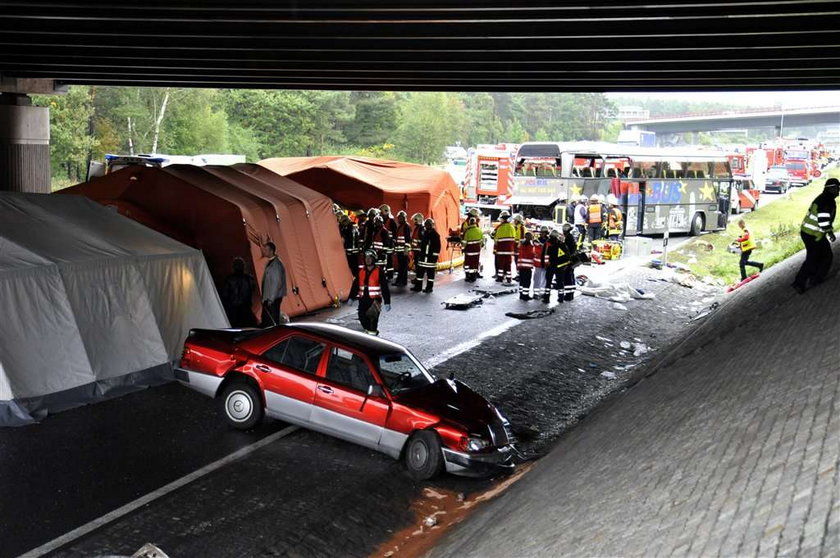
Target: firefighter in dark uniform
(371, 290)
(391, 226)
(558, 259)
(569, 283)
(350, 237)
(416, 239)
(817, 230)
(402, 245)
(380, 242)
(429, 252)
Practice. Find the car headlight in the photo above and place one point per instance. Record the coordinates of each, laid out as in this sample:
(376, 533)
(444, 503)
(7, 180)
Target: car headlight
(477, 444)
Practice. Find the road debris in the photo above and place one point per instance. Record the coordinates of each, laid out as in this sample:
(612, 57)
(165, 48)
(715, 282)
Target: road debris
(533, 314)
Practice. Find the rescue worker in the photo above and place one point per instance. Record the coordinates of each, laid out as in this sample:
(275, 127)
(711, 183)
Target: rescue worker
(472, 239)
(472, 213)
(594, 218)
(363, 225)
(416, 238)
(615, 219)
(371, 290)
(402, 245)
(380, 240)
(747, 245)
(581, 216)
(350, 237)
(569, 283)
(391, 226)
(429, 252)
(816, 231)
(539, 264)
(525, 266)
(557, 258)
(519, 236)
(504, 238)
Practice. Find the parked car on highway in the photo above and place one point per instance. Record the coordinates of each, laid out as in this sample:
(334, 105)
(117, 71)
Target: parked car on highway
(745, 195)
(356, 387)
(777, 180)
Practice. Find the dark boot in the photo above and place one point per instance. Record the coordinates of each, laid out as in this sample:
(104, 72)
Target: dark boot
(418, 286)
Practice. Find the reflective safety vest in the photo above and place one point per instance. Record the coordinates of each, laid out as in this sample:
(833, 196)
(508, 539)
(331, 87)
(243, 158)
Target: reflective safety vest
(595, 214)
(526, 257)
(472, 240)
(816, 224)
(369, 283)
(746, 241)
(504, 238)
(615, 222)
(538, 250)
(402, 238)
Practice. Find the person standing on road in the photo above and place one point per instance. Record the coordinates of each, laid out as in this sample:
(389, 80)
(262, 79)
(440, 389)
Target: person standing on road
(402, 244)
(350, 237)
(539, 263)
(518, 237)
(816, 231)
(429, 252)
(594, 218)
(273, 286)
(525, 266)
(504, 238)
(390, 225)
(747, 245)
(371, 290)
(569, 283)
(556, 259)
(237, 293)
(581, 217)
(380, 242)
(615, 219)
(472, 239)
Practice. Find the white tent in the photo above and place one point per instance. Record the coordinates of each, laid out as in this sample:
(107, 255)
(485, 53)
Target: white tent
(92, 304)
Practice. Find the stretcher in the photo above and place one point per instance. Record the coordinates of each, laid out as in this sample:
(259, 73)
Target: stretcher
(742, 283)
(463, 301)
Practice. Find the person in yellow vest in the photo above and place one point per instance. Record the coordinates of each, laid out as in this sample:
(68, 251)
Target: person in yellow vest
(504, 239)
(471, 214)
(615, 219)
(816, 231)
(747, 245)
(594, 218)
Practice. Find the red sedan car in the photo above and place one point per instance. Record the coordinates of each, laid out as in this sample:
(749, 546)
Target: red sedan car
(353, 386)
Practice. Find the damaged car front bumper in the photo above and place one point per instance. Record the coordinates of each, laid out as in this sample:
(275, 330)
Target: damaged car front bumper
(500, 460)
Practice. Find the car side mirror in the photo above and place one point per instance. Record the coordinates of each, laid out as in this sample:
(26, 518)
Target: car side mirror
(375, 390)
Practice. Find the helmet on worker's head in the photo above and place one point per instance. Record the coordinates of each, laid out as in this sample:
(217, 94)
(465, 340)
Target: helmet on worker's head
(372, 212)
(429, 222)
(402, 215)
(361, 214)
(601, 198)
(554, 233)
(831, 183)
(417, 218)
(473, 212)
(582, 198)
(385, 208)
(370, 254)
(378, 221)
(543, 229)
(567, 227)
(336, 208)
(593, 198)
(518, 218)
(612, 200)
(504, 215)
(343, 218)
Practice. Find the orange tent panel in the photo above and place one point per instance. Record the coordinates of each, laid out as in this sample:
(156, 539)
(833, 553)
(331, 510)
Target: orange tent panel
(360, 183)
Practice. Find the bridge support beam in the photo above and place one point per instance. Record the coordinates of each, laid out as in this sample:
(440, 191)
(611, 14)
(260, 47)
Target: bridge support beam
(24, 145)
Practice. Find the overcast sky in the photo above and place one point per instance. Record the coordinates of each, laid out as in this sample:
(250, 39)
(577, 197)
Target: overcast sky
(770, 98)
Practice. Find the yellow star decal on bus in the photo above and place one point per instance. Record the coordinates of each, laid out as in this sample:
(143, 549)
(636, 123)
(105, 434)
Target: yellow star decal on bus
(575, 191)
(683, 187)
(708, 192)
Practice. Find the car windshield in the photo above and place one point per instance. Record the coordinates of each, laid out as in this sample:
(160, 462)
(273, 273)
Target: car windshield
(778, 171)
(400, 372)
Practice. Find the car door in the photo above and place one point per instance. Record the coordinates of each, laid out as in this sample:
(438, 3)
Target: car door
(289, 371)
(342, 405)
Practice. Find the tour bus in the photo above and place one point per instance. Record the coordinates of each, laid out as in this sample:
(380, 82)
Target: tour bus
(658, 189)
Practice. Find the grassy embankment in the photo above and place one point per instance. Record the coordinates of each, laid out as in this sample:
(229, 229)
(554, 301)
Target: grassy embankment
(775, 227)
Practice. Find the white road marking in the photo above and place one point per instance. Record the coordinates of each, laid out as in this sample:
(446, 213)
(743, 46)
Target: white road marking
(467, 345)
(152, 496)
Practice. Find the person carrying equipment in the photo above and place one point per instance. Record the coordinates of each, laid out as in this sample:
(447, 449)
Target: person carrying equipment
(817, 230)
(747, 245)
(472, 240)
(429, 252)
(371, 290)
(504, 239)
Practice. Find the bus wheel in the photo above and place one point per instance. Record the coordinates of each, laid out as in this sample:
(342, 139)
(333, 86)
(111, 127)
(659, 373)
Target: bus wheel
(696, 224)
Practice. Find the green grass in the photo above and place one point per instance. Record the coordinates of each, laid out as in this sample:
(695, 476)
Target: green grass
(775, 228)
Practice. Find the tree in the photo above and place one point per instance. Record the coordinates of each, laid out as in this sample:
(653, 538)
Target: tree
(483, 124)
(429, 122)
(375, 118)
(70, 141)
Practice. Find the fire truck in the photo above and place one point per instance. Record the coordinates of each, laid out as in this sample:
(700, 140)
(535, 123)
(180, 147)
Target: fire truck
(489, 176)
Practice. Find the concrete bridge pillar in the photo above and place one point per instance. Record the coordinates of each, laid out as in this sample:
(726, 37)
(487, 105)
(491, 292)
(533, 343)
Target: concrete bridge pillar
(24, 145)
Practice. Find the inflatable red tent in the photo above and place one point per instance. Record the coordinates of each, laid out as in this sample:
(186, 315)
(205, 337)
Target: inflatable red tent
(361, 183)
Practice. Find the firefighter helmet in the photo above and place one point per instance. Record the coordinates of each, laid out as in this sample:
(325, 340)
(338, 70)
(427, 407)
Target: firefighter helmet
(582, 198)
(554, 234)
(402, 213)
(518, 218)
(372, 212)
(543, 229)
(371, 253)
(567, 227)
(504, 215)
(385, 208)
(429, 222)
(593, 198)
(336, 208)
(378, 221)
(361, 213)
(473, 212)
(612, 200)
(417, 218)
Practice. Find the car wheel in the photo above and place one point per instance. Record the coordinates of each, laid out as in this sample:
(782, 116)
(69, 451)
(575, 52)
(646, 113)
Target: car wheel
(696, 224)
(241, 405)
(423, 457)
